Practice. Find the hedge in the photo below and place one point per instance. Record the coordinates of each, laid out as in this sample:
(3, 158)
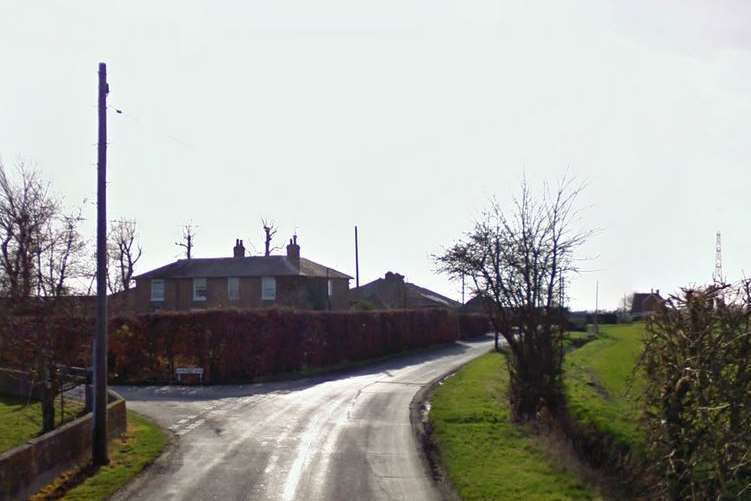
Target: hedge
(241, 345)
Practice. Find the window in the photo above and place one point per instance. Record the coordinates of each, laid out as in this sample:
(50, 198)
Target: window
(331, 287)
(157, 290)
(268, 288)
(233, 288)
(200, 293)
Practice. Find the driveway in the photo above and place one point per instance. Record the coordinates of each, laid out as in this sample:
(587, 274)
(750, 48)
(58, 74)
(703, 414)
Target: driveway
(344, 436)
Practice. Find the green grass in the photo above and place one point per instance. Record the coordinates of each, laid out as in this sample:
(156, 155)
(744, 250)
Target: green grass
(486, 456)
(602, 388)
(130, 454)
(573, 340)
(21, 421)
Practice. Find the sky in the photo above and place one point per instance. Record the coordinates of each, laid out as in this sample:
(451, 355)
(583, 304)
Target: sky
(402, 117)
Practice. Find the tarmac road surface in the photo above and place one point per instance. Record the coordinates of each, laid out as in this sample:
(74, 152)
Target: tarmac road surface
(342, 436)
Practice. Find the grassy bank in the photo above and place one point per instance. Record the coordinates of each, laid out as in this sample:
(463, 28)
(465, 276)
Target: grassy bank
(130, 454)
(602, 387)
(21, 421)
(486, 456)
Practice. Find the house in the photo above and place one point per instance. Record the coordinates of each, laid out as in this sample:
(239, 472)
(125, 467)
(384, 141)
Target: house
(644, 304)
(482, 304)
(242, 282)
(479, 304)
(392, 292)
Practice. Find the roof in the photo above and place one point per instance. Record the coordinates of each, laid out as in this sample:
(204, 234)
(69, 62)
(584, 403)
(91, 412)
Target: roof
(641, 301)
(394, 292)
(251, 266)
(418, 294)
(478, 304)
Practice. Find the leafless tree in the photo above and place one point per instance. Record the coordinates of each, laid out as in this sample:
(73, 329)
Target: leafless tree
(188, 241)
(124, 253)
(26, 208)
(516, 260)
(41, 250)
(626, 302)
(269, 229)
(60, 256)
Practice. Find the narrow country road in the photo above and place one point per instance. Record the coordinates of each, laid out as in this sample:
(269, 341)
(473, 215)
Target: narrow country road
(344, 436)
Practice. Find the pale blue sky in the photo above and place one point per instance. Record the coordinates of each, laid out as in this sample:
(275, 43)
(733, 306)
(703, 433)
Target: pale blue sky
(403, 117)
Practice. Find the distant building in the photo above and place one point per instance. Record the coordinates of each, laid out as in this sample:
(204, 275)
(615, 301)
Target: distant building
(392, 292)
(480, 303)
(242, 282)
(644, 304)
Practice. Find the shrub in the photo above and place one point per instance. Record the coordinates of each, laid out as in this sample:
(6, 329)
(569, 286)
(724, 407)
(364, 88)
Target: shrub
(698, 395)
(240, 345)
(235, 345)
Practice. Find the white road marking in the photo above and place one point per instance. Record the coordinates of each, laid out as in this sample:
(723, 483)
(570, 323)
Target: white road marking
(191, 427)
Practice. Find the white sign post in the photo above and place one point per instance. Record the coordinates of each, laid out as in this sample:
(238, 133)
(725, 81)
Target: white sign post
(180, 371)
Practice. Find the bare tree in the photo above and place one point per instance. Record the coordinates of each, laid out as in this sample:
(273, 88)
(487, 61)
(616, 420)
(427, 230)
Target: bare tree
(626, 302)
(60, 255)
(516, 260)
(26, 208)
(269, 229)
(188, 241)
(41, 250)
(124, 253)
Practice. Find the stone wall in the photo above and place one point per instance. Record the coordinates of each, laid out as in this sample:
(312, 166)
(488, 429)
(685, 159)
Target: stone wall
(29, 467)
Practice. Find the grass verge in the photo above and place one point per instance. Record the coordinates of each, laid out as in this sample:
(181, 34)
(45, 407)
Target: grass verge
(20, 420)
(485, 455)
(129, 454)
(602, 386)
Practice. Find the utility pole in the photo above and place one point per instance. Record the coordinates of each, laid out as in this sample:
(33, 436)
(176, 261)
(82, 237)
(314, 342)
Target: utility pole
(463, 288)
(562, 293)
(597, 306)
(99, 443)
(357, 261)
(328, 290)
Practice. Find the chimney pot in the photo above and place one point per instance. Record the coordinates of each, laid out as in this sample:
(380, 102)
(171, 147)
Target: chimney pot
(239, 249)
(293, 252)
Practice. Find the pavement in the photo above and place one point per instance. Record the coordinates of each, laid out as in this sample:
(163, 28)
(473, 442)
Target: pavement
(341, 436)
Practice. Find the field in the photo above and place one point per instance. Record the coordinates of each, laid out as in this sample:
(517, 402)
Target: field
(20, 422)
(485, 455)
(602, 386)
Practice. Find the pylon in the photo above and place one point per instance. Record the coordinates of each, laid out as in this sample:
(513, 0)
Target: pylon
(718, 277)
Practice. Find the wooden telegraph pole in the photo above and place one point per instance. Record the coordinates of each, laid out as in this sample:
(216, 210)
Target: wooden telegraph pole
(597, 307)
(99, 444)
(357, 261)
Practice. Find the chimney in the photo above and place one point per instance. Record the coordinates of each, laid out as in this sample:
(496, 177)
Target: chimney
(293, 252)
(394, 290)
(238, 250)
(397, 277)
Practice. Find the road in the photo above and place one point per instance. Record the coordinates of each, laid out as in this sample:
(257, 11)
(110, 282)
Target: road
(343, 436)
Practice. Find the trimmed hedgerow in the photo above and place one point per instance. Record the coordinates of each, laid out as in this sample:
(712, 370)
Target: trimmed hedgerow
(241, 345)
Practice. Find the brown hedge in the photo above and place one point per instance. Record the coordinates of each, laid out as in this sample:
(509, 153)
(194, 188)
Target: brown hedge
(241, 345)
